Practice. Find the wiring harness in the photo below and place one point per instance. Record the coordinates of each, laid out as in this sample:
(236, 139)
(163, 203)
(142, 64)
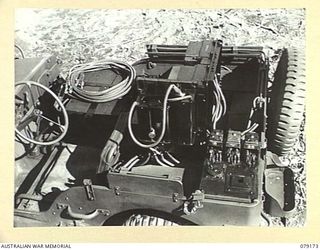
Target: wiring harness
(75, 80)
(220, 107)
(254, 126)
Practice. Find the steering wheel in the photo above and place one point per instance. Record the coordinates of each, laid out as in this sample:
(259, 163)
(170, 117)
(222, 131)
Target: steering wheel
(40, 116)
(21, 52)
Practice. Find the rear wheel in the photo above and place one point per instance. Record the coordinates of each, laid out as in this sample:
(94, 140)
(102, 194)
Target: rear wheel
(287, 102)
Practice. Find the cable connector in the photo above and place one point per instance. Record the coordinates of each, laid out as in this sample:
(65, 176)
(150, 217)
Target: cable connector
(178, 91)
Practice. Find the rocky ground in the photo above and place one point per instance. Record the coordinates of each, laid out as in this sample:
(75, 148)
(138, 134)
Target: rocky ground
(78, 36)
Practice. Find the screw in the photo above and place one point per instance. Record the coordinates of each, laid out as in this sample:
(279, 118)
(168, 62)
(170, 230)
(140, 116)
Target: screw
(116, 190)
(152, 134)
(175, 197)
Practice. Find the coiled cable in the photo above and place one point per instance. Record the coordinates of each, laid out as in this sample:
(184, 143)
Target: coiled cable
(75, 80)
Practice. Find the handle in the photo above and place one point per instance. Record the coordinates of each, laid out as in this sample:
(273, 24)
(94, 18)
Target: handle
(90, 216)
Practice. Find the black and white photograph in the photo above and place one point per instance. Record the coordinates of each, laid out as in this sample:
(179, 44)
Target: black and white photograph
(159, 117)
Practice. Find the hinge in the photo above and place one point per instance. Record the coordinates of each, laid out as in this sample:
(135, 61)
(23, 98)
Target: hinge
(89, 189)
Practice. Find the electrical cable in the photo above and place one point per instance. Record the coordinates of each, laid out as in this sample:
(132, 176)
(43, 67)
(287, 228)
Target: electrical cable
(172, 157)
(130, 161)
(165, 161)
(224, 104)
(226, 68)
(75, 80)
(181, 98)
(220, 107)
(251, 129)
(164, 118)
(129, 167)
(216, 109)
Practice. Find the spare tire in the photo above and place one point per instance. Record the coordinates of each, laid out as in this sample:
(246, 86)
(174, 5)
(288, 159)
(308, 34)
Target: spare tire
(146, 220)
(287, 102)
